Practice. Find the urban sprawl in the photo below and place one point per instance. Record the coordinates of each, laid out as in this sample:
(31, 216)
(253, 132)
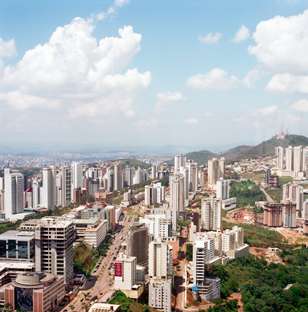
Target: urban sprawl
(89, 237)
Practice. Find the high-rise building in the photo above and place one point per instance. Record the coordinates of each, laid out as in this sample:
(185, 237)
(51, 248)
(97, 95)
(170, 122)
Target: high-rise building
(176, 185)
(154, 172)
(154, 194)
(216, 170)
(159, 225)
(289, 215)
(77, 175)
(192, 176)
(297, 159)
(128, 176)
(204, 254)
(13, 192)
(48, 199)
(280, 157)
(289, 158)
(292, 161)
(54, 238)
(138, 243)
(66, 189)
(294, 193)
(36, 194)
(211, 214)
(139, 176)
(222, 189)
(179, 161)
(160, 294)
(124, 272)
(272, 214)
(160, 260)
(118, 176)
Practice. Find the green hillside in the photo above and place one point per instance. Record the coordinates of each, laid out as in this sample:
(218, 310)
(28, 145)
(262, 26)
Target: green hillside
(245, 151)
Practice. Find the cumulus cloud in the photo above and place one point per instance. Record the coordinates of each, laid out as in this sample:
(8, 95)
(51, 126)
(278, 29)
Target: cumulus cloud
(242, 34)
(111, 10)
(167, 98)
(210, 38)
(7, 48)
(77, 72)
(281, 43)
(215, 79)
(300, 105)
(288, 83)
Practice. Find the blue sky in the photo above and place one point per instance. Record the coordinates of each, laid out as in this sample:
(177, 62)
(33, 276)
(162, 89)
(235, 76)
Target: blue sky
(175, 75)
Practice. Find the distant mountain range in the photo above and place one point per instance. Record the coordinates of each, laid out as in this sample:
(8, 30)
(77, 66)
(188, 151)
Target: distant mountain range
(265, 148)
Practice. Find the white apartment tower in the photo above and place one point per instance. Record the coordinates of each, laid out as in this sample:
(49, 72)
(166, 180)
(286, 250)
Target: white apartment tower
(160, 294)
(179, 161)
(77, 175)
(222, 189)
(48, 199)
(176, 184)
(13, 192)
(118, 176)
(124, 272)
(160, 260)
(211, 214)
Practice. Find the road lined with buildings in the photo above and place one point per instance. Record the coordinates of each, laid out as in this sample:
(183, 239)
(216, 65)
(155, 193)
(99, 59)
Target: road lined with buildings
(103, 274)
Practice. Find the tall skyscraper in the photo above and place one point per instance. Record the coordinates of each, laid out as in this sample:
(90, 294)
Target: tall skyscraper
(211, 214)
(204, 254)
(289, 158)
(48, 199)
(66, 189)
(298, 159)
(222, 189)
(192, 176)
(118, 176)
(128, 176)
(77, 175)
(54, 238)
(280, 157)
(216, 169)
(179, 161)
(36, 193)
(176, 185)
(160, 260)
(138, 243)
(13, 192)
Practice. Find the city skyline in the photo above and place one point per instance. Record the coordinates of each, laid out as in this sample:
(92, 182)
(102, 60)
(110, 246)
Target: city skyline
(129, 73)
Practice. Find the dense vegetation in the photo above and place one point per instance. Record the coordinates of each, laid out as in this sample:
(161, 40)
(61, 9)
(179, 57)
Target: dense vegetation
(227, 306)
(86, 257)
(246, 192)
(268, 287)
(259, 236)
(201, 157)
(127, 304)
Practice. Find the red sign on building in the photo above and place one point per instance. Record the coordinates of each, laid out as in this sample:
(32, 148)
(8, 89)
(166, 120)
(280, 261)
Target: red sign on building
(118, 269)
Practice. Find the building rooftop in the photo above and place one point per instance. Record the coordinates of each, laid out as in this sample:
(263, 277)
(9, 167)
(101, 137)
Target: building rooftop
(20, 235)
(103, 307)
